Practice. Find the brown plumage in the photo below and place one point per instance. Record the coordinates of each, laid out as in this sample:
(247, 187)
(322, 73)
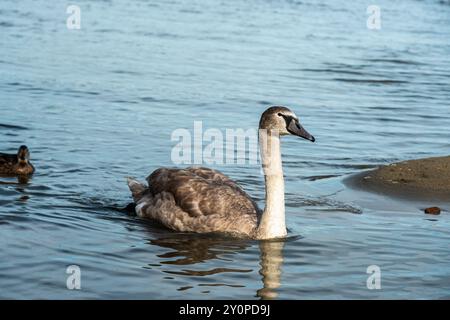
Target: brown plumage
(205, 200)
(196, 200)
(16, 164)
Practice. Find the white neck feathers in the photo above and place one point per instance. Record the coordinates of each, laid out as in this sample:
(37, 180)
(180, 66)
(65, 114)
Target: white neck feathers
(273, 222)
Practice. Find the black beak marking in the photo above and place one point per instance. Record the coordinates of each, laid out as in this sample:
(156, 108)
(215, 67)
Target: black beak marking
(296, 129)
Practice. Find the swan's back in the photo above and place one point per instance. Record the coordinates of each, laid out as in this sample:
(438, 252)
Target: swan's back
(195, 200)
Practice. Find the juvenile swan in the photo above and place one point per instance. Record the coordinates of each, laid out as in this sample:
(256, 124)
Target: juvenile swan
(16, 164)
(205, 200)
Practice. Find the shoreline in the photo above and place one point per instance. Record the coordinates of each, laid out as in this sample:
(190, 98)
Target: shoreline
(420, 179)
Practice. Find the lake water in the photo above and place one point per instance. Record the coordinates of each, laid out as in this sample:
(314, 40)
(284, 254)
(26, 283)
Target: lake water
(98, 104)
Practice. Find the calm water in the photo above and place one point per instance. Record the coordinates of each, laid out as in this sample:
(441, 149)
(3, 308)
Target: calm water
(98, 104)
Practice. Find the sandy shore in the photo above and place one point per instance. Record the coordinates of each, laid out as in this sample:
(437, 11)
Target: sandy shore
(424, 178)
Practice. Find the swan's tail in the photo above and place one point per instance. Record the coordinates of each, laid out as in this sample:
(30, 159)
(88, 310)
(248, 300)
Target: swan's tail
(137, 188)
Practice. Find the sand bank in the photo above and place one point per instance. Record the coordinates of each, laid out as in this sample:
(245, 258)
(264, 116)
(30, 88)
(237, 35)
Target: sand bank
(423, 178)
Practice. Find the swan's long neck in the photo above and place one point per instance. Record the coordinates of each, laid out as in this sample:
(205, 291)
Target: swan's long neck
(273, 223)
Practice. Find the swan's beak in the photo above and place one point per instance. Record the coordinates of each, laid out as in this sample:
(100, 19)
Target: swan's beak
(296, 129)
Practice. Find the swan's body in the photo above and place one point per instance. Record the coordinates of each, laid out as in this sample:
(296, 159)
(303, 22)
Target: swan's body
(205, 200)
(196, 200)
(16, 164)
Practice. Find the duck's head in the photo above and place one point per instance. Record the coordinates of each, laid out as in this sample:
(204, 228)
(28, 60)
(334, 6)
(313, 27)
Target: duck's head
(23, 155)
(284, 121)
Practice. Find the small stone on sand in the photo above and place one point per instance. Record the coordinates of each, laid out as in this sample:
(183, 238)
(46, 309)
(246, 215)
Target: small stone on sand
(433, 210)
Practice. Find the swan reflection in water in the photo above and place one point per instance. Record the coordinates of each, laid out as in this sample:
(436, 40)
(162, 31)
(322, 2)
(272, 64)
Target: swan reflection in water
(271, 261)
(193, 249)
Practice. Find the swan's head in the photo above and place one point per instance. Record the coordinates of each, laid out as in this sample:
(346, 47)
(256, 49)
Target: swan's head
(284, 121)
(23, 155)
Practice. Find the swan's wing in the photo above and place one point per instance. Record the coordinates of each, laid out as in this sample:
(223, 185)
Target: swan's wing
(163, 208)
(183, 201)
(200, 196)
(212, 175)
(218, 177)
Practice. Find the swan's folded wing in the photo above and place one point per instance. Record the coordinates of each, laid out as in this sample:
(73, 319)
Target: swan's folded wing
(218, 177)
(199, 196)
(212, 175)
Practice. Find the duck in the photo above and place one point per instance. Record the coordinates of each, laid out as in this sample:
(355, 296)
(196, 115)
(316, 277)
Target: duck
(204, 200)
(16, 164)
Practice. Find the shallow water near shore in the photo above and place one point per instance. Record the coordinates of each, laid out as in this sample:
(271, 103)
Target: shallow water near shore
(98, 104)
